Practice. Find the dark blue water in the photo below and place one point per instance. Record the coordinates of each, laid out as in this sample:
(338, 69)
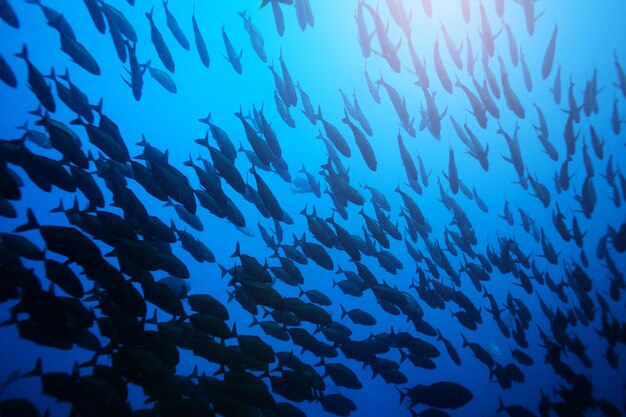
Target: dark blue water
(324, 59)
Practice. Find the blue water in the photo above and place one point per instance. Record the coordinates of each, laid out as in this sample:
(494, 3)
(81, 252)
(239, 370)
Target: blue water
(323, 59)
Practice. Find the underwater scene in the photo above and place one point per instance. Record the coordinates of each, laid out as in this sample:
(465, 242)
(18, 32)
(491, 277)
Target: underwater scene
(285, 208)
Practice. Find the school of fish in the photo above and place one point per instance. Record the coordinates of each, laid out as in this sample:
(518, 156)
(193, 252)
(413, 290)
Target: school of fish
(109, 279)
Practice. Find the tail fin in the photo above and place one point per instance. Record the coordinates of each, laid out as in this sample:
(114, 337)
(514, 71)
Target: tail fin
(30, 224)
(36, 371)
(237, 251)
(24, 53)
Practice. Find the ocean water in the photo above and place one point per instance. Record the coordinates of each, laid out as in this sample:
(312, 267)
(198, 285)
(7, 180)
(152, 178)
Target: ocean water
(323, 59)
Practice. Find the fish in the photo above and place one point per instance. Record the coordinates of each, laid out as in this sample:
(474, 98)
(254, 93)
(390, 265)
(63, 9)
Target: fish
(528, 80)
(174, 27)
(6, 73)
(444, 394)
(455, 53)
(136, 72)
(163, 78)
(96, 14)
(513, 47)
(334, 135)
(37, 83)
(8, 14)
(440, 68)
(201, 47)
(231, 56)
(362, 143)
(256, 38)
(556, 88)
(548, 58)
(161, 47)
(466, 10)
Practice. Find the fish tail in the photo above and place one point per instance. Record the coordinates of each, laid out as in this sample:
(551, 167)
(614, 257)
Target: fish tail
(36, 371)
(403, 394)
(343, 311)
(501, 406)
(237, 251)
(30, 224)
(23, 53)
(59, 208)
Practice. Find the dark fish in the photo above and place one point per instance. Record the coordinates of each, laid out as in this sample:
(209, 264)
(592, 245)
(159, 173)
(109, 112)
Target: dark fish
(97, 16)
(267, 196)
(200, 43)
(260, 147)
(6, 73)
(478, 110)
(8, 14)
(162, 78)
(159, 44)
(342, 376)
(37, 137)
(37, 83)
(387, 49)
(528, 80)
(174, 27)
(231, 56)
(337, 404)
(616, 119)
(63, 139)
(455, 53)
(223, 140)
(399, 104)
(256, 38)
(362, 143)
(512, 101)
(440, 68)
(452, 176)
(358, 316)
(556, 87)
(290, 90)
(55, 19)
(283, 110)
(116, 36)
(136, 72)
(486, 33)
(66, 241)
(471, 59)
(548, 58)
(514, 410)
(279, 19)
(513, 48)
(334, 135)
(79, 54)
(75, 98)
(450, 349)
(363, 35)
(440, 395)
(116, 18)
